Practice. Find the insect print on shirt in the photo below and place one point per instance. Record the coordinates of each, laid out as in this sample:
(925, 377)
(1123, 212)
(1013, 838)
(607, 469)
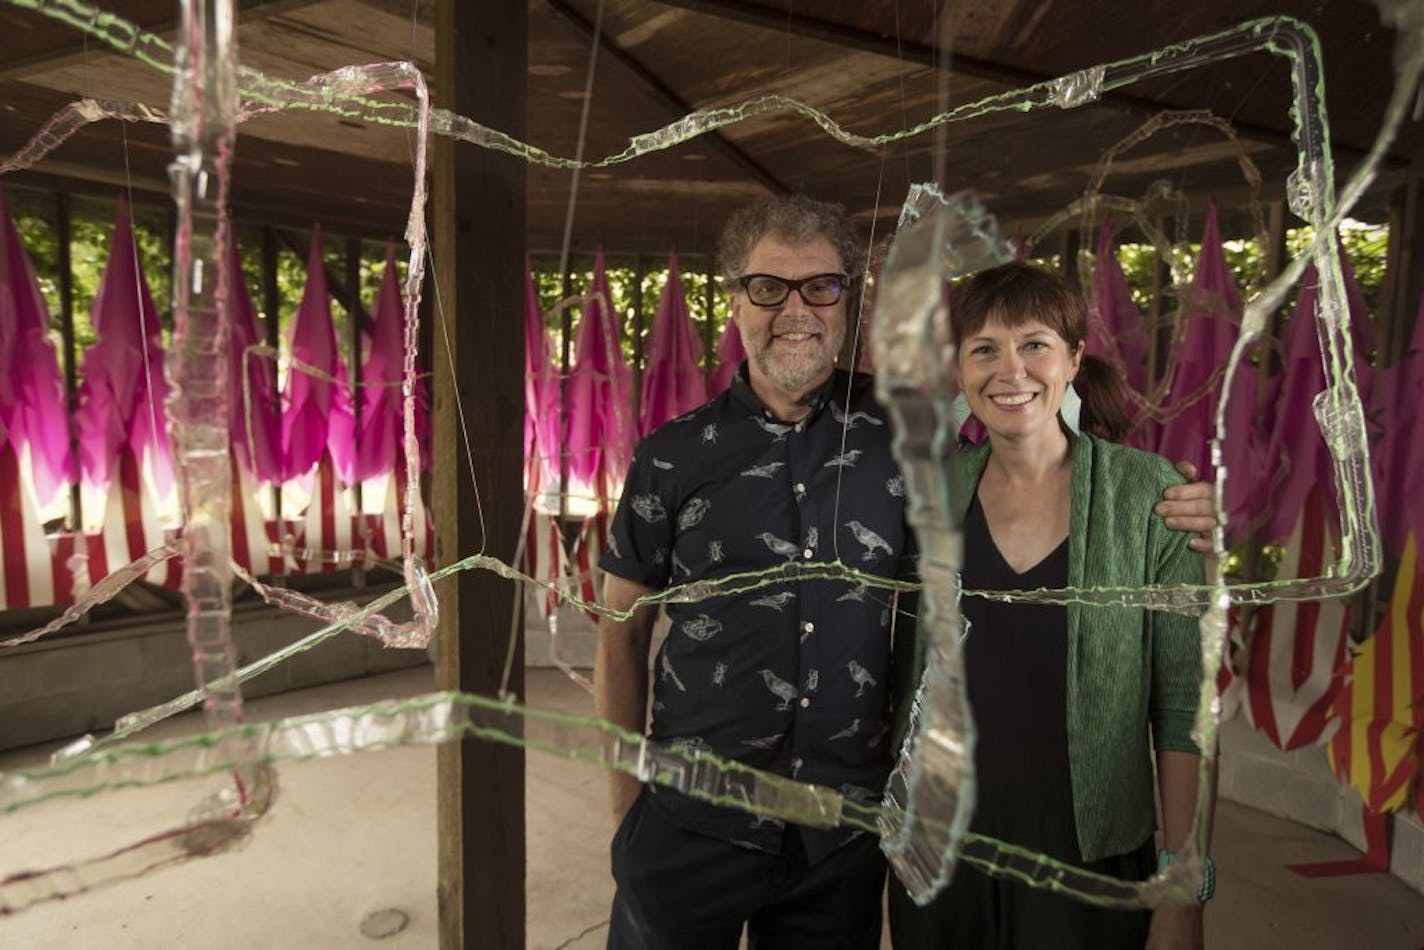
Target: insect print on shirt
(714, 552)
(781, 689)
(702, 628)
(719, 675)
(896, 486)
(861, 677)
(813, 680)
(813, 537)
(692, 513)
(649, 508)
(709, 433)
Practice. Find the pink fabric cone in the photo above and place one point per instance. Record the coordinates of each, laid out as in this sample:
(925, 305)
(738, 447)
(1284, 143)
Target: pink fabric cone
(1212, 312)
(121, 400)
(32, 402)
(316, 413)
(541, 393)
(262, 457)
(1397, 395)
(672, 381)
(1117, 332)
(1299, 458)
(600, 428)
(730, 354)
(378, 448)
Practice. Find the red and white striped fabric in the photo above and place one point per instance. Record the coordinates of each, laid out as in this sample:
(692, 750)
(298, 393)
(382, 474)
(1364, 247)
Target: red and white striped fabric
(324, 535)
(34, 568)
(254, 535)
(544, 556)
(588, 548)
(130, 528)
(382, 532)
(1297, 650)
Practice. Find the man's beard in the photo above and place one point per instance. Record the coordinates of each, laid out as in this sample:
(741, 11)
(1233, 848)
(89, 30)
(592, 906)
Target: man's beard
(795, 371)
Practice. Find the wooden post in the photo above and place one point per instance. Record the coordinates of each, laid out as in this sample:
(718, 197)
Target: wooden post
(478, 241)
(354, 312)
(63, 214)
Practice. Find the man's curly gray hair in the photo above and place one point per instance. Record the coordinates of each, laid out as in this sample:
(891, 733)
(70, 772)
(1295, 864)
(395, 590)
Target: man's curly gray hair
(795, 219)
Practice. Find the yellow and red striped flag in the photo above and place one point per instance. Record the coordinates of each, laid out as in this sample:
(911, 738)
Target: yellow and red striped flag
(1381, 707)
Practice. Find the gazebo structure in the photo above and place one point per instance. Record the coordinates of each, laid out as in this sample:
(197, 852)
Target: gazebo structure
(584, 78)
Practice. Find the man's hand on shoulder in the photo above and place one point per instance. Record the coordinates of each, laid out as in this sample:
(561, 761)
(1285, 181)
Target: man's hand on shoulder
(1190, 508)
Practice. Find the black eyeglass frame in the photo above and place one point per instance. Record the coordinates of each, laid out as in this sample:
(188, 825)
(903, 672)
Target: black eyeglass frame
(843, 281)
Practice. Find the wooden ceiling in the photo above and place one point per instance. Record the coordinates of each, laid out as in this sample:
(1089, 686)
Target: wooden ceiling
(873, 65)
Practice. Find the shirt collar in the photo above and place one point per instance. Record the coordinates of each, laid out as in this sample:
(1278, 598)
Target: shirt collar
(742, 392)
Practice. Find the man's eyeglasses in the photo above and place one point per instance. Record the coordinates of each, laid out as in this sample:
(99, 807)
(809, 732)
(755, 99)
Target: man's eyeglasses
(768, 290)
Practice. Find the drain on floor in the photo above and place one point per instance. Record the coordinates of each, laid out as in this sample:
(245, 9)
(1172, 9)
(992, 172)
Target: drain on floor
(380, 924)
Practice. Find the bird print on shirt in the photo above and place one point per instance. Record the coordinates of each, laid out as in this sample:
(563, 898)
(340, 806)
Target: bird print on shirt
(692, 513)
(677, 566)
(856, 593)
(776, 430)
(668, 673)
(702, 628)
(846, 459)
(763, 471)
(849, 421)
(774, 601)
(847, 732)
(613, 545)
(878, 735)
(665, 466)
(781, 689)
(785, 548)
(766, 742)
(872, 541)
(649, 508)
(861, 677)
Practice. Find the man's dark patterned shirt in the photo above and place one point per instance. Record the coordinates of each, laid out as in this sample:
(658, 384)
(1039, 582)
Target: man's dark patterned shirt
(793, 678)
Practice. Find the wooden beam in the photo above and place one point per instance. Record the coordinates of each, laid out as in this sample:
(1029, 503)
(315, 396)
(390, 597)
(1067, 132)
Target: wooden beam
(478, 240)
(73, 53)
(828, 31)
(665, 94)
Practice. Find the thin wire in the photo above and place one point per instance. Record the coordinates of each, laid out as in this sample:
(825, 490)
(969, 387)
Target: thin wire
(582, 137)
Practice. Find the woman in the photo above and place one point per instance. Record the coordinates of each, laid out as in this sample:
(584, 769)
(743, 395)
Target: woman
(1069, 702)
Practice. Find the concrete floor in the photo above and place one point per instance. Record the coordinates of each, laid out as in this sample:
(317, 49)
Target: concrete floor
(349, 838)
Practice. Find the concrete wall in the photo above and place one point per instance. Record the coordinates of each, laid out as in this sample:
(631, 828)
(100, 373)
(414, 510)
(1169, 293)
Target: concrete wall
(1300, 786)
(66, 686)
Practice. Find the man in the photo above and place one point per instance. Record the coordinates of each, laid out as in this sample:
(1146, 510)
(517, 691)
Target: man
(792, 463)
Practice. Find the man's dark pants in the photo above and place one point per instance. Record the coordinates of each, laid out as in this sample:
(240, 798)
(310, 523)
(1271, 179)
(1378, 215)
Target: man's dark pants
(679, 890)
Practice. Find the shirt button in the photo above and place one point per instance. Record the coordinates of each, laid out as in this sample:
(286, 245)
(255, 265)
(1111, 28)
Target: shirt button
(808, 626)
(808, 554)
(805, 701)
(800, 426)
(796, 763)
(800, 488)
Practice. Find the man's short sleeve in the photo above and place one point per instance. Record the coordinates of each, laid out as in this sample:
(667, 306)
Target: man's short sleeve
(640, 540)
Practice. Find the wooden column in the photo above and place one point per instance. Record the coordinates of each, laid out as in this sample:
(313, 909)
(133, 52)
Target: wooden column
(478, 240)
(63, 219)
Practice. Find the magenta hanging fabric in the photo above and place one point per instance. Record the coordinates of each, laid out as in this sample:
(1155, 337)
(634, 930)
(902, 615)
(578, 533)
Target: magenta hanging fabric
(1212, 312)
(1116, 331)
(1299, 458)
(32, 402)
(378, 448)
(673, 382)
(316, 412)
(1398, 394)
(730, 354)
(122, 394)
(254, 424)
(600, 426)
(541, 394)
